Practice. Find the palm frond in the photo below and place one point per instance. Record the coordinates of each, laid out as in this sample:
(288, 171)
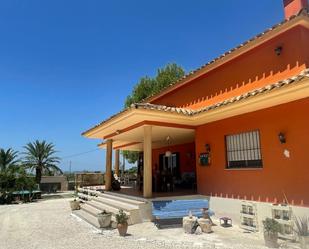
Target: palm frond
(8, 159)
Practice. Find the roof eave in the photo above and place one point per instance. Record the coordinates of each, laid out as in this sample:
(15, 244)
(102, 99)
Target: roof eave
(135, 115)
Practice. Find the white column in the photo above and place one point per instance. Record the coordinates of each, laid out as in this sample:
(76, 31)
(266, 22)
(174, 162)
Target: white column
(108, 171)
(147, 162)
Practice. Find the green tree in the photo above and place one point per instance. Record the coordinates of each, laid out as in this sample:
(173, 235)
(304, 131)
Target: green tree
(148, 86)
(8, 168)
(167, 76)
(141, 90)
(8, 159)
(131, 156)
(40, 156)
(13, 176)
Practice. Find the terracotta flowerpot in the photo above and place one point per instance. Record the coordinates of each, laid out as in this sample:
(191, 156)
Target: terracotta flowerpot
(104, 220)
(74, 205)
(122, 229)
(271, 240)
(304, 242)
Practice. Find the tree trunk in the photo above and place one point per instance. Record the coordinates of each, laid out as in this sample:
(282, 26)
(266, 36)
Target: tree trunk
(38, 175)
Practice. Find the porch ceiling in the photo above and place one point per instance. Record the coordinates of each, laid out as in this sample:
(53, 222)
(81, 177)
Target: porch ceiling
(133, 139)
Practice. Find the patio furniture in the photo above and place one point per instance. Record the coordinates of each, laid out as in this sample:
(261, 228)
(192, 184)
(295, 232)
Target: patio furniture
(225, 222)
(125, 180)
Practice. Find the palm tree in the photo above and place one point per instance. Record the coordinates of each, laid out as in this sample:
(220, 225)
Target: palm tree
(8, 159)
(40, 156)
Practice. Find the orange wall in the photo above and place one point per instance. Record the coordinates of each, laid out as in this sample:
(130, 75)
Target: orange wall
(256, 68)
(186, 156)
(279, 174)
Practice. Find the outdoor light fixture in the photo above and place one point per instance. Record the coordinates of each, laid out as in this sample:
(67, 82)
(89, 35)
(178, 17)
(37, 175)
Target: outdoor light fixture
(282, 138)
(168, 153)
(278, 50)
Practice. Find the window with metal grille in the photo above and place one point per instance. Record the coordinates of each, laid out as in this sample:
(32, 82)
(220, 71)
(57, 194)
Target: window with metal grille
(243, 150)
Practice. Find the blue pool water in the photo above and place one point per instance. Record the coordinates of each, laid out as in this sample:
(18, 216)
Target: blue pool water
(178, 208)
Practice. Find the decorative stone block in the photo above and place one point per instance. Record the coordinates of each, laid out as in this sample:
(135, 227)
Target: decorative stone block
(205, 225)
(189, 224)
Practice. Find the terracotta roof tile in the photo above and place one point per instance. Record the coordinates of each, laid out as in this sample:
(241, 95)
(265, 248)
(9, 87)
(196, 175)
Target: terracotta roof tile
(191, 112)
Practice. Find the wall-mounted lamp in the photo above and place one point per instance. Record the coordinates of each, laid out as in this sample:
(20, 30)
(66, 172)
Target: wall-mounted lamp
(207, 146)
(278, 50)
(282, 138)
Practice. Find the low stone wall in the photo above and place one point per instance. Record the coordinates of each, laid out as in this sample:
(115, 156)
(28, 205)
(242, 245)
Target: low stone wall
(54, 183)
(89, 179)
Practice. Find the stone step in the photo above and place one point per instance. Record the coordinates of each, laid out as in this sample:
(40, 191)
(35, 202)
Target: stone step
(116, 203)
(89, 218)
(101, 206)
(121, 197)
(134, 215)
(93, 208)
(115, 196)
(137, 211)
(84, 196)
(90, 209)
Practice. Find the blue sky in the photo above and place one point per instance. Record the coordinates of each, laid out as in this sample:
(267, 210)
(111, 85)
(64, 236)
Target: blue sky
(65, 65)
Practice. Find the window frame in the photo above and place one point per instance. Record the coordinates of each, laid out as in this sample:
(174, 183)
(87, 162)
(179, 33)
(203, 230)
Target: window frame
(255, 165)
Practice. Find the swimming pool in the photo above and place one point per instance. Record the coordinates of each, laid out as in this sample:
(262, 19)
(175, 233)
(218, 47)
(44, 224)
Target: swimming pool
(165, 209)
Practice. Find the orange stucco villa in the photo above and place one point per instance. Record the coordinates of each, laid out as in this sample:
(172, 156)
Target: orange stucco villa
(238, 124)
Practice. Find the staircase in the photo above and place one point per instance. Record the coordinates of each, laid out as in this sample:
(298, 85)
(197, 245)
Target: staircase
(94, 202)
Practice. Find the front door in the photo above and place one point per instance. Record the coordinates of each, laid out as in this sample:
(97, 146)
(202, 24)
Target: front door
(169, 171)
(170, 164)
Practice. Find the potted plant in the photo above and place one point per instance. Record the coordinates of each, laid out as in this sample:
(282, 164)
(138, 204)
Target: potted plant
(302, 226)
(122, 222)
(104, 218)
(74, 205)
(271, 230)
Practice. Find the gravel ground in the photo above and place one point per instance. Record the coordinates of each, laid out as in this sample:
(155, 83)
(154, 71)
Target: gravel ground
(49, 224)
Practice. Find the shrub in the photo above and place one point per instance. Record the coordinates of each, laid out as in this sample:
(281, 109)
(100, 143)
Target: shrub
(271, 226)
